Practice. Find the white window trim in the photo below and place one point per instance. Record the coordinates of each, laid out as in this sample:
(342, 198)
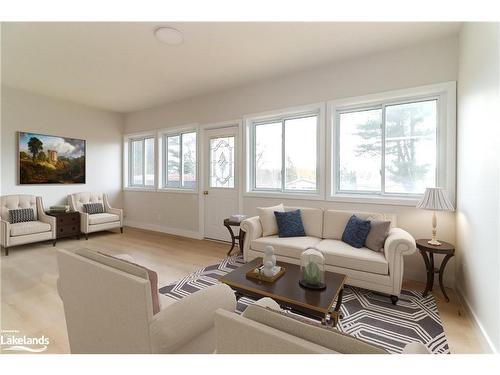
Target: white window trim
(127, 186)
(446, 140)
(167, 132)
(250, 120)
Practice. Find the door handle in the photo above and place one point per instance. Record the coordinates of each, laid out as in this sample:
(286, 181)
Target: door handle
(205, 192)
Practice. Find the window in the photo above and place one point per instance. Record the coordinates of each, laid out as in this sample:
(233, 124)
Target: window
(179, 160)
(388, 149)
(284, 157)
(222, 162)
(142, 162)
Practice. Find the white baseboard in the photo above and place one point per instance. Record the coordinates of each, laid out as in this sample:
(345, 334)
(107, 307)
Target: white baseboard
(164, 229)
(486, 342)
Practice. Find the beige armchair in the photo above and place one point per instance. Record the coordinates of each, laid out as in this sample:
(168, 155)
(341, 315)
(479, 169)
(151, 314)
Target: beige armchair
(42, 229)
(110, 219)
(108, 306)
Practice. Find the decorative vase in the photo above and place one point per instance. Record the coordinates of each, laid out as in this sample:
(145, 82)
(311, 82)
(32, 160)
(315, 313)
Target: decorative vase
(269, 255)
(312, 269)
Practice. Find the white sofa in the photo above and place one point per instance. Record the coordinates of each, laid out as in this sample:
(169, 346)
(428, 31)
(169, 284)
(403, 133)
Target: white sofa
(377, 271)
(110, 219)
(42, 229)
(266, 330)
(109, 309)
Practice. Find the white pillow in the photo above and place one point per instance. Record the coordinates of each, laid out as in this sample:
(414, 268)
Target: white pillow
(268, 220)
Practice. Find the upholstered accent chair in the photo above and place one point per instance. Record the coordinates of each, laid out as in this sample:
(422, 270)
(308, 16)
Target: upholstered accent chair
(110, 219)
(43, 228)
(108, 306)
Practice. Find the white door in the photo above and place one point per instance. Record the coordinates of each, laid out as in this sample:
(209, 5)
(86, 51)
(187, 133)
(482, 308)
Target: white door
(221, 181)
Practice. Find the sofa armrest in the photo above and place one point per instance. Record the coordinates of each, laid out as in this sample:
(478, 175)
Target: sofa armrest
(253, 230)
(399, 242)
(416, 348)
(4, 232)
(183, 321)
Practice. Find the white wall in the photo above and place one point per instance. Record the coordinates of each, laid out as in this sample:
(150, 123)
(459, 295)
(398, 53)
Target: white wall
(478, 178)
(23, 111)
(415, 66)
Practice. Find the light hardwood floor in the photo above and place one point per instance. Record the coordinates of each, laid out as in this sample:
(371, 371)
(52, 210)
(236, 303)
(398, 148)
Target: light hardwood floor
(30, 303)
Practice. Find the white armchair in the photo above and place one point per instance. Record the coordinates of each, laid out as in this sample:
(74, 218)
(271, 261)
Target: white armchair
(109, 309)
(42, 229)
(110, 219)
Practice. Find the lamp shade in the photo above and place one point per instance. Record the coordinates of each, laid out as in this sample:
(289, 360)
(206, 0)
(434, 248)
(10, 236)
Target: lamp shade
(435, 199)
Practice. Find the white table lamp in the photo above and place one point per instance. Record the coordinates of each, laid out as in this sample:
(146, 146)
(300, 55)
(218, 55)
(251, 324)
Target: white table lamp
(435, 199)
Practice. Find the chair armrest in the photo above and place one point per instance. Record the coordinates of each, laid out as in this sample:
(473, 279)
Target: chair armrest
(4, 232)
(84, 221)
(44, 218)
(111, 210)
(398, 243)
(416, 348)
(183, 321)
(253, 230)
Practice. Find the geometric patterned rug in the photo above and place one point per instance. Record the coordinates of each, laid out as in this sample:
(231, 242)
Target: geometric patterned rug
(367, 315)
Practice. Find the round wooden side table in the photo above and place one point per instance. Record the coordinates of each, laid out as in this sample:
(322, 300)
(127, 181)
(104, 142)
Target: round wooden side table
(427, 251)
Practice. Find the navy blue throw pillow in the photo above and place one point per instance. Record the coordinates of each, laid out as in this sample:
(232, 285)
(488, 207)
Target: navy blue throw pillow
(290, 224)
(356, 231)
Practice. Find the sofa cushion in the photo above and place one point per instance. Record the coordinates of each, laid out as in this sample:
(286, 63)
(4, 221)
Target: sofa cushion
(289, 224)
(29, 227)
(103, 218)
(309, 330)
(289, 246)
(340, 254)
(356, 231)
(268, 220)
(378, 233)
(312, 219)
(334, 222)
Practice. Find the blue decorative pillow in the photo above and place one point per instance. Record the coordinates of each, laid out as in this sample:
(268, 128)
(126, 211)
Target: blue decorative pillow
(356, 231)
(289, 224)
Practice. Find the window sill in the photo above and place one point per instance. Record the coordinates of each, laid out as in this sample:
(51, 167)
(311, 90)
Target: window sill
(375, 199)
(161, 190)
(145, 189)
(280, 195)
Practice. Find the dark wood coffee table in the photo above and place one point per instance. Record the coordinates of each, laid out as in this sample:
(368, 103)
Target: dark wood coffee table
(318, 304)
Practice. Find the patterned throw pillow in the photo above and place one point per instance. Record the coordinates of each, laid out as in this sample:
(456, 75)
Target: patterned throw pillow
(93, 208)
(289, 224)
(21, 215)
(356, 231)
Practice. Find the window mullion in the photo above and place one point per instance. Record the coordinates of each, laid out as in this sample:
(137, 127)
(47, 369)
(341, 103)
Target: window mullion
(181, 162)
(144, 162)
(283, 165)
(382, 159)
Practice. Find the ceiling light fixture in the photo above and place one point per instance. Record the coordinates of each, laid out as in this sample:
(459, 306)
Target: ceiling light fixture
(169, 35)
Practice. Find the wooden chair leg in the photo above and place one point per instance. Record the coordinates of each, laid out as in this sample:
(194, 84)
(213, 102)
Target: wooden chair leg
(121, 229)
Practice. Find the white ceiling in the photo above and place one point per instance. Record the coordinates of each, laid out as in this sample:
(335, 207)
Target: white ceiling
(122, 67)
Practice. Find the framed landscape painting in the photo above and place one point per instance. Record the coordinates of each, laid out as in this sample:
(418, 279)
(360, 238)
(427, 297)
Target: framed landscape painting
(48, 159)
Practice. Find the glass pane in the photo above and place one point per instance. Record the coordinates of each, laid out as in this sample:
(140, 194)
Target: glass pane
(268, 156)
(410, 147)
(360, 147)
(173, 161)
(137, 162)
(189, 160)
(301, 153)
(222, 162)
(149, 143)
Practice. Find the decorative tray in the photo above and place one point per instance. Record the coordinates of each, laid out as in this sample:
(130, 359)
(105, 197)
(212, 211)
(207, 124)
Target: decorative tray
(254, 273)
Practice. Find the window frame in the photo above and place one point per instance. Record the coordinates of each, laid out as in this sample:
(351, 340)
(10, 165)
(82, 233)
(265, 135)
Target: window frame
(163, 150)
(444, 93)
(252, 121)
(128, 152)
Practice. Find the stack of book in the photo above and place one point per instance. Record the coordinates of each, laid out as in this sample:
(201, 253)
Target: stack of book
(237, 218)
(59, 208)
